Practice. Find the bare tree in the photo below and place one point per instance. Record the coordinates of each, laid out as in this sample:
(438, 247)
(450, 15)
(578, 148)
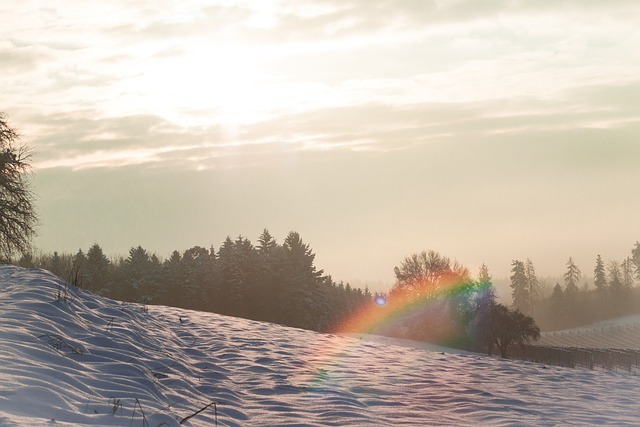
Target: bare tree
(427, 274)
(17, 214)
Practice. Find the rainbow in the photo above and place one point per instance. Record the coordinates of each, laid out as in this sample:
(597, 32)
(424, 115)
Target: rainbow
(389, 316)
(385, 315)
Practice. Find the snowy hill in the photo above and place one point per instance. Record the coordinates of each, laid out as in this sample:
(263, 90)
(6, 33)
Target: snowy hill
(79, 359)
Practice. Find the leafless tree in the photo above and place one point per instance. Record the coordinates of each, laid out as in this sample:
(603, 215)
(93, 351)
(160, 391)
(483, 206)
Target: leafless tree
(17, 214)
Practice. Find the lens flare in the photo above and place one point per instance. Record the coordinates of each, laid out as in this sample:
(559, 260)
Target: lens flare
(390, 316)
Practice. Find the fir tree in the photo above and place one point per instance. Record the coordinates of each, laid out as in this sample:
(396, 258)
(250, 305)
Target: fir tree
(599, 275)
(532, 283)
(571, 277)
(635, 257)
(557, 306)
(519, 286)
(98, 270)
(627, 273)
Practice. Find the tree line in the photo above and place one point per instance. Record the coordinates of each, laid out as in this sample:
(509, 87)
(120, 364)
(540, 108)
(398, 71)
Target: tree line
(572, 303)
(268, 281)
(279, 283)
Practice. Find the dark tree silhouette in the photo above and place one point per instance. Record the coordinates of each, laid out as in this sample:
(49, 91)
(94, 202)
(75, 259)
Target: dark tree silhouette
(98, 269)
(485, 300)
(511, 327)
(532, 283)
(571, 277)
(635, 257)
(599, 275)
(520, 286)
(17, 213)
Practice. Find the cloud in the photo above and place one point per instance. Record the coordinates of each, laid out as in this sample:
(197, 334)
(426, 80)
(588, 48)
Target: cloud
(581, 118)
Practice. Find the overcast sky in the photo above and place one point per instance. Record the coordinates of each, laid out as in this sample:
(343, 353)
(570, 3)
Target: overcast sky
(486, 130)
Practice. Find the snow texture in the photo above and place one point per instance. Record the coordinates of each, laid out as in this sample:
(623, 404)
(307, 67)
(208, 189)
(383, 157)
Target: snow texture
(80, 359)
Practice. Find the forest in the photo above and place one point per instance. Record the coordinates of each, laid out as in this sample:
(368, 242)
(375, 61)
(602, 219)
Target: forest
(271, 282)
(607, 291)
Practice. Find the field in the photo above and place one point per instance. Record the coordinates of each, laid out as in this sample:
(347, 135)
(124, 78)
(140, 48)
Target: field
(71, 358)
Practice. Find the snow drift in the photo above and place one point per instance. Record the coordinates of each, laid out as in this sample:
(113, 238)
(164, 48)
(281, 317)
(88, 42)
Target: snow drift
(68, 357)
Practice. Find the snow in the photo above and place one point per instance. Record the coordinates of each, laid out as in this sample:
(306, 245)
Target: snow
(91, 361)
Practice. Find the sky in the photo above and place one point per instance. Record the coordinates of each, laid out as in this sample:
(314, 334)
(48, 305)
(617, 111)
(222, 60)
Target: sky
(487, 131)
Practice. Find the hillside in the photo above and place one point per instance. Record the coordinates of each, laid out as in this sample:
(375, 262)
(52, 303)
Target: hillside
(621, 333)
(70, 358)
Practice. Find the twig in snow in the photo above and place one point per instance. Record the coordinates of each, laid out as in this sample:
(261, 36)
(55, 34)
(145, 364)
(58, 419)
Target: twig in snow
(215, 409)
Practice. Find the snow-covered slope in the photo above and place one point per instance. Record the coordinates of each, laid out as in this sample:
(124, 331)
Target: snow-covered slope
(93, 361)
(621, 333)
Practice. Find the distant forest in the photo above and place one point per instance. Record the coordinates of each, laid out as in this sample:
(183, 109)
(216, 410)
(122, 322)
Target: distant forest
(572, 303)
(269, 281)
(280, 283)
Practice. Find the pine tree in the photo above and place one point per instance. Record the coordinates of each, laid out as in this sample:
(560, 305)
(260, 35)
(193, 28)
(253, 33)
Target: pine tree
(57, 265)
(532, 283)
(98, 270)
(519, 286)
(599, 276)
(627, 273)
(615, 276)
(172, 284)
(139, 283)
(557, 307)
(196, 268)
(485, 300)
(302, 283)
(266, 243)
(483, 275)
(571, 277)
(635, 257)
(76, 273)
(616, 289)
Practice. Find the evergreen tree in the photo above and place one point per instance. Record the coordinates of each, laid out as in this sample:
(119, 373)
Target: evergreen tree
(532, 283)
(635, 257)
(616, 289)
(571, 277)
(484, 277)
(76, 273)
(599, 276)
(26, 260)
(196, 267)
(627, 273)
(270, 293)
(139, 279)
(519, 286)
(172, 284)
(57, 265)
(485, 300)
(266, 243)
(98, 270)
(246, 279)
(302, 282)
(557, 307)
(615, 276)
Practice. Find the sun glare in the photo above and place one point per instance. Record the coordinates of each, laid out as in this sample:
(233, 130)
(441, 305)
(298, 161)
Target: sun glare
(223, 85)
